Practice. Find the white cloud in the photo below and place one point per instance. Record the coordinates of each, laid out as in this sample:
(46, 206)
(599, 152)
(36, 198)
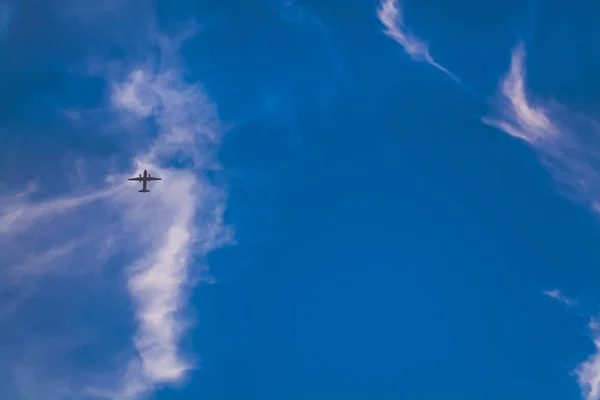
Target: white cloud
(588, 372)
(159, 280)
(390, 15)
(557, 295)
(520, 118)
(569, 145)
(567, 142)
(165, 233)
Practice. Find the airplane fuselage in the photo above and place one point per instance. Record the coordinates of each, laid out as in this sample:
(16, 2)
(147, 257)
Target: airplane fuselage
(144, 180)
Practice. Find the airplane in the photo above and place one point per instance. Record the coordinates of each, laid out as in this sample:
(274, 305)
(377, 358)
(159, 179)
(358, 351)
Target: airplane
(144, 179)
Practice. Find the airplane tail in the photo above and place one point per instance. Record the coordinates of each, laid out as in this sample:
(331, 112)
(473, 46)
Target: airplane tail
(143, 191)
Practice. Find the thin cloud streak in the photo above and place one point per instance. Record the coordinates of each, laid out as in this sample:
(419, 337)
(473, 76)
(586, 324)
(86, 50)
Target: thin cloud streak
(391, 16)
(568, 144)
(19, 216)
(557, 295)
(179, 221)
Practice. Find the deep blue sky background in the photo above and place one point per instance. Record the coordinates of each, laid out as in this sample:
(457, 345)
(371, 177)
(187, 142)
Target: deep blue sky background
(388, 244)
(392, 246)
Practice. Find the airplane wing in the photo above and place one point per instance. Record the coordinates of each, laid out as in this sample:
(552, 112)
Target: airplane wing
(151, 178)
(139, 179)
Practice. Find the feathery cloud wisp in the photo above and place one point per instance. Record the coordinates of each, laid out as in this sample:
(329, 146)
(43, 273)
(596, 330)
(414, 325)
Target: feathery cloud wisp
(390, 15)
(519, 117)
(568, 143)
(163, 236)
(557, 295)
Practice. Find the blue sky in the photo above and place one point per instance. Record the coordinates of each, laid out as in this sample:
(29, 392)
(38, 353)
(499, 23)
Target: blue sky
(368, 201)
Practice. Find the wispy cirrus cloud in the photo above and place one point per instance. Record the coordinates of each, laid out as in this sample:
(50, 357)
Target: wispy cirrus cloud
(568, 143)
(519, 117)
(391, 16)
(19, 215)
(132, 259)
(559, 296)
